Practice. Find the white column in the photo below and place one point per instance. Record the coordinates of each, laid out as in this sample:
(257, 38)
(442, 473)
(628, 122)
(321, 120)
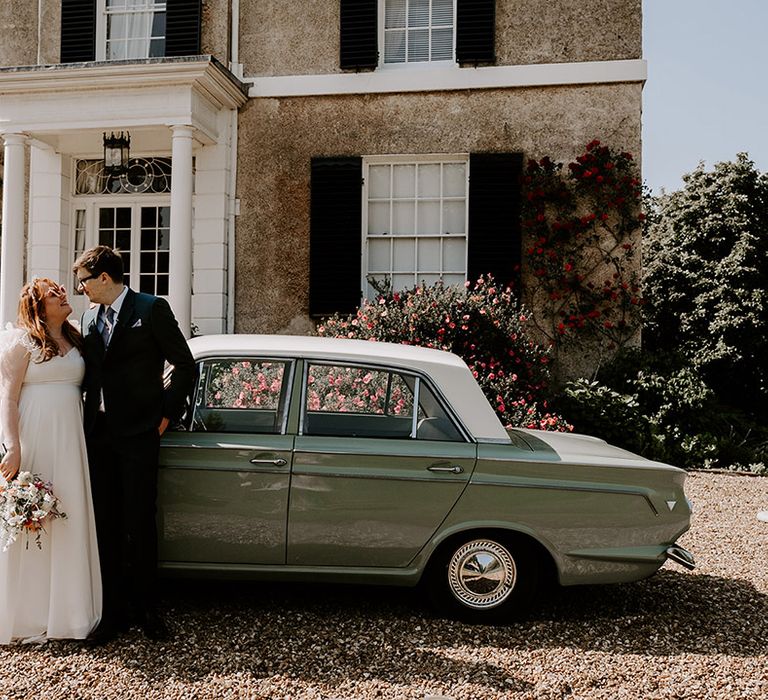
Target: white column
(12, 260)
(180, 286)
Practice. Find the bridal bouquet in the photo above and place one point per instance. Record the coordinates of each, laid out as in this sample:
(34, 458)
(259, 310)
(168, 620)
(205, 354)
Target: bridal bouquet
(26, 504)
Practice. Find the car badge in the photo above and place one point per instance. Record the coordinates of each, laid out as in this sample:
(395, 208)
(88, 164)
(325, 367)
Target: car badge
(671, 504)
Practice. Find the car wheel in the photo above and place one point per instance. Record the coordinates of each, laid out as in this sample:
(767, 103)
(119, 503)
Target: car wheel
(484, 579)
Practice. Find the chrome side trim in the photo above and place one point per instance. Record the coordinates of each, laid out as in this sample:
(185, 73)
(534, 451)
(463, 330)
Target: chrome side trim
(225, 446)
(242, 469)
(377, 477)
(357, 453)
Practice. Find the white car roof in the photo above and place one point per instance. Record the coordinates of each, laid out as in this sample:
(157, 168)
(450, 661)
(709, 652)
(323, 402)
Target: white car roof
(449, 372)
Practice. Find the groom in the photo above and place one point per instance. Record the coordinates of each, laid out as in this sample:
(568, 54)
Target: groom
(128, 338)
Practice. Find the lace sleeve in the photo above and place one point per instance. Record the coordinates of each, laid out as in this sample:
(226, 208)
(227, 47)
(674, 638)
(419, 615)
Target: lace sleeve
(12, 337)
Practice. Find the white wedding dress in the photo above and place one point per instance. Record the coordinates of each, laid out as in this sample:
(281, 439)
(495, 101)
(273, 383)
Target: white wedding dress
(53, 592)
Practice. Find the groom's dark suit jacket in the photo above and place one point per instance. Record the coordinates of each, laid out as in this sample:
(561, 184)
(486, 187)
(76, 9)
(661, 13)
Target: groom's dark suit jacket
(130, 371)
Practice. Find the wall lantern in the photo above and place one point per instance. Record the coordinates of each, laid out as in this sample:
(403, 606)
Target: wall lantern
(116, 153)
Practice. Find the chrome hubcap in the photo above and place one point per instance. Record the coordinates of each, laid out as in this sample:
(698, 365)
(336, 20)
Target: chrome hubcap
(482, 574)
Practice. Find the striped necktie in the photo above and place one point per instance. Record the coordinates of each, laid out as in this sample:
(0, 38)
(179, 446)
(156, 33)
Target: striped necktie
(109, 322)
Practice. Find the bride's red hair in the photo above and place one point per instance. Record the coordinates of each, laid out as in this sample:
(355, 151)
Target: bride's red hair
(32, 319)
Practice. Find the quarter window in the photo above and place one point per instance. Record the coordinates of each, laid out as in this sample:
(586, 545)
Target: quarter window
(418, 31)
(241, 396)
(416, 222)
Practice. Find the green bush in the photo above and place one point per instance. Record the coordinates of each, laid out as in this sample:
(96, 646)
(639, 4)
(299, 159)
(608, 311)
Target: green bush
(483, 324)
(595, 409)
(657, 406)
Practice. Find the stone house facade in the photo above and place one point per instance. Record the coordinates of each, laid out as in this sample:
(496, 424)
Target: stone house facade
(283, 152)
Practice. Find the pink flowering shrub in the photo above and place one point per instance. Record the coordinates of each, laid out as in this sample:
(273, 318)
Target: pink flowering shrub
(483, 324)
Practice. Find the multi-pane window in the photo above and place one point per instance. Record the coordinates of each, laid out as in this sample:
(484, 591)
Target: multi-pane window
(417, 31)
(134, 28)
(130, 212)
(79, 243)
(115, 232)
(140, 231)
(154, 250)
(416, 222)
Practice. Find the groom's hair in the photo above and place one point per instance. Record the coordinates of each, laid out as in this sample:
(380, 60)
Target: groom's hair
(100, 259)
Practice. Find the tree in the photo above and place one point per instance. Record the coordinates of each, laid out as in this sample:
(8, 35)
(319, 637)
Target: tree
(706, 279)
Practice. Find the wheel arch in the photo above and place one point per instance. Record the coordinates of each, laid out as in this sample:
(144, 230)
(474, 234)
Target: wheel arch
(504, 534)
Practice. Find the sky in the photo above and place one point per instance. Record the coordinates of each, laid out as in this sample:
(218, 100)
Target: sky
(706, 97)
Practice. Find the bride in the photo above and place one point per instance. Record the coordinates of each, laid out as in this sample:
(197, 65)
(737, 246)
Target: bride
(53, 592)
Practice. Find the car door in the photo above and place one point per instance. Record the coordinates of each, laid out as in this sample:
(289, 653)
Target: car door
(223, 482)
(367, 489)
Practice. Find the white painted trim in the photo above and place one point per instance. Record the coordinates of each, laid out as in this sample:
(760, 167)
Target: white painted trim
(432, 79)
(203, 75)
(101, 30)
(14, 177)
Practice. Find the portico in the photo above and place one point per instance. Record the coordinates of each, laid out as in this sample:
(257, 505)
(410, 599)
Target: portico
(173, 213)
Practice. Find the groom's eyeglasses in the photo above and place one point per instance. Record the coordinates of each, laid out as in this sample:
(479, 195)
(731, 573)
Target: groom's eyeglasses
(81, 281)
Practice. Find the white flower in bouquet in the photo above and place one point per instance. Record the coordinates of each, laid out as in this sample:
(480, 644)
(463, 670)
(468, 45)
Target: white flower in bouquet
(26, 504)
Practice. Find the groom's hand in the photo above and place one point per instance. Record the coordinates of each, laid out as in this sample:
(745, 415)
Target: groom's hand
(163, 426)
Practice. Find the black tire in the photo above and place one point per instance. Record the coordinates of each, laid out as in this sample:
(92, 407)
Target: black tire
(485, 579)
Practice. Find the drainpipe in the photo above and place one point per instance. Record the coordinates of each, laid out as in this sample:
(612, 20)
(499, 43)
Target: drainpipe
(234, 43)
(236, 68)
(232, 213)
(39, 31)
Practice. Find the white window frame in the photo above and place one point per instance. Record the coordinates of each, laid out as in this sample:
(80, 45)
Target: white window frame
(415, 65)
(101, 30)
(92, 203)
(405, 159)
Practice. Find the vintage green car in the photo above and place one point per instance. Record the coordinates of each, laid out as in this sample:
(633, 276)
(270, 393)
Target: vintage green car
(350, 461)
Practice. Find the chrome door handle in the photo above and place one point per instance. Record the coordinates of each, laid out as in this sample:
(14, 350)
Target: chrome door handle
(453, 469)
(279, 462)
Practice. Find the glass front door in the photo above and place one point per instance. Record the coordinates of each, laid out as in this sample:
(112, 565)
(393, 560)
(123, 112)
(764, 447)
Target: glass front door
(140, 230)
(142, 234)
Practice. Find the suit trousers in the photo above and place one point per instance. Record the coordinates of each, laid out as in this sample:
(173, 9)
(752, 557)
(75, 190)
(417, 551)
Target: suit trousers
(124, 483)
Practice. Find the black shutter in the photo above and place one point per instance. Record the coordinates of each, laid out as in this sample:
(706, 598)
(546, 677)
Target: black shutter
(494, 216)
(475, 31)
(182, 27)
(335, 240)
(358, 34)
(78, 31)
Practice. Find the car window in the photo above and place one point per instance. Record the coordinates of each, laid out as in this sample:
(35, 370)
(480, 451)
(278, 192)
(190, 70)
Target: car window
(354, 401)
(241, 396)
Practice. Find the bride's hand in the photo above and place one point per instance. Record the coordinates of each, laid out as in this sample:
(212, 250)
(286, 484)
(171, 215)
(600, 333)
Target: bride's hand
(10, 465)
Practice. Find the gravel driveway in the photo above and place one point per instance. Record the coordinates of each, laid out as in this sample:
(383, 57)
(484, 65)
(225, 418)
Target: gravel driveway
(676, 635)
